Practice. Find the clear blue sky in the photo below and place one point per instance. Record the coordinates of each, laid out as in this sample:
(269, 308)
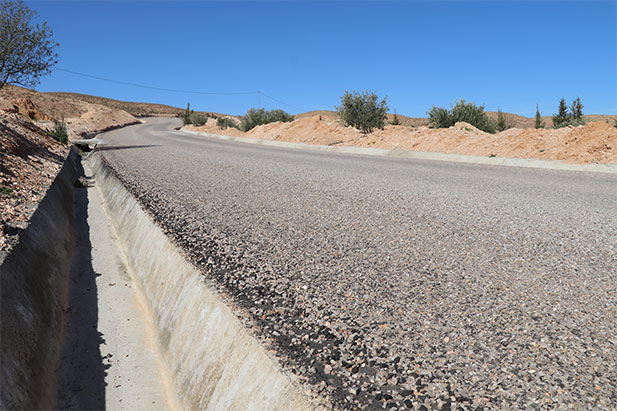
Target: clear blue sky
(306, 54)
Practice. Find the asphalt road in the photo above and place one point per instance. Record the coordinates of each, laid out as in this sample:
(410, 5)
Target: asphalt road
(397, 283)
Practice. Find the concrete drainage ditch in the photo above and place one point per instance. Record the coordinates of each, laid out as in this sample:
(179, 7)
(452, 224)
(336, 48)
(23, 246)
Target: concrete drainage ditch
(194, 349)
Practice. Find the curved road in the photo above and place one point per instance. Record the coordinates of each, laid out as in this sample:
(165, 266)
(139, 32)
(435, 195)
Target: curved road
(397, 283)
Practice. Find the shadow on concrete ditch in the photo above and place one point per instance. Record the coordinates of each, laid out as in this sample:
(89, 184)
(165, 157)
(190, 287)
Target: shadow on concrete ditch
(82, 371)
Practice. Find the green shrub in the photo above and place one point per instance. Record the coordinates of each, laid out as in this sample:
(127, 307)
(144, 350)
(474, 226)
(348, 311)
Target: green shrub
(501, 121)
(197, 119)
(395, 121)
(225, 122)
(59, 131)
(363, 111)
(440, 117)
(256, 117)
(539, 122)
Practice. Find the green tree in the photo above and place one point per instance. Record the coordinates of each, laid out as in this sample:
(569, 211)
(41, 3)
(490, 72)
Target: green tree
(576, 110)
(563, 116)
(59, 131)
(363, 111)
(27, 51)
(395, 121)
(186, 117)
(501, 120)
(539, 122)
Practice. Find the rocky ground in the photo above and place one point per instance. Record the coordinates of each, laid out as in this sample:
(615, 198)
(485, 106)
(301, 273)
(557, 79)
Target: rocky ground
(29, 162)
(594, 143)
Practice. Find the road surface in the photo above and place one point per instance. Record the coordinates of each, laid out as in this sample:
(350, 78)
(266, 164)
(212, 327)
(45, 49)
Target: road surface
(393, 282)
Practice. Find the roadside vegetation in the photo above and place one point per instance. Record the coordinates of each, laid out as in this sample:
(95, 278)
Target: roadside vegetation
(569, 116)
(440, 117)
(539, 123)
(59, 131)
(395, 121)
(226, 122)
(501, 121)
(257, 117)
(197, 119)
(363, 111)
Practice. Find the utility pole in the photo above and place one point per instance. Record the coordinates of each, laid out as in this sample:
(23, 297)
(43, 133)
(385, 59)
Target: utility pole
(259, 106)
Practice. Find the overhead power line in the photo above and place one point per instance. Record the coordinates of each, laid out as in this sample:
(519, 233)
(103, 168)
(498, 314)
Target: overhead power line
(236, 93)
(157, 88)
(282, 102)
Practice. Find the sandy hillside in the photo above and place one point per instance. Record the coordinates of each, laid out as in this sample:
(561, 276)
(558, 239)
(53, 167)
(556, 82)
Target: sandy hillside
(82, 118)
(594, 143)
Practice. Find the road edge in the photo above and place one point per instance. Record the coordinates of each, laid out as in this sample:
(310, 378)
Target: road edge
(419, 155)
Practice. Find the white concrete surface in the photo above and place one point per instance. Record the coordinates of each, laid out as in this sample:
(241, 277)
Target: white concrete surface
(110, 358)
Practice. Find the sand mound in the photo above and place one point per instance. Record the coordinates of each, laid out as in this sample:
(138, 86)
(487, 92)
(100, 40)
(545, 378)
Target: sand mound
(594, 143)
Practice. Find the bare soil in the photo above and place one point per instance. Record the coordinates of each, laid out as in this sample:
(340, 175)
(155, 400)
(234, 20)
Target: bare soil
(82, 118)
(29, 162)
(595, 142)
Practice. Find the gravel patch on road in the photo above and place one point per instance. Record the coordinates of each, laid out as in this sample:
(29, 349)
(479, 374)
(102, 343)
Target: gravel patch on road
(398, 284)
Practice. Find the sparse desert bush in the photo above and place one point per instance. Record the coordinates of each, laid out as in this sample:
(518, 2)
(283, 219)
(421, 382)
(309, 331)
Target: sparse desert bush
(225, 122)
(363, 111)
(59, 131)
(256, 117)
(197, 119)
(440, 117)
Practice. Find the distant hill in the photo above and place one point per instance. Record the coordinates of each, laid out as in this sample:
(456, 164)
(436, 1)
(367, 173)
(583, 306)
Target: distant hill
(136, 109)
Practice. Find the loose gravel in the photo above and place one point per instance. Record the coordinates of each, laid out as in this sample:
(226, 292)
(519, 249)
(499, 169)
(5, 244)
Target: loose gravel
(397, 284)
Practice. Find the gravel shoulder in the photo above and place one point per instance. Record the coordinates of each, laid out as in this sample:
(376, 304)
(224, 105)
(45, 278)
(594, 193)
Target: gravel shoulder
(393, 282)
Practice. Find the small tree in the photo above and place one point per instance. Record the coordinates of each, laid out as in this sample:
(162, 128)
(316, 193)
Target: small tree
(576, 110)
(563, 116)
(395, 121)
(539, 122)
(59, 131)
(27, 51)
(501, 120)
(363, 111)
(186, 117)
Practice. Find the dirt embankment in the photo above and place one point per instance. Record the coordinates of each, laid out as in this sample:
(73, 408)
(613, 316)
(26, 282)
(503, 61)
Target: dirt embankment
(82, 118)
(593, 143)
(29, 158)
(29, 162)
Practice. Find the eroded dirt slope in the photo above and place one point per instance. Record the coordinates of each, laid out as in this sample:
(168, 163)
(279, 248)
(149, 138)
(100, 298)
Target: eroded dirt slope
(82, 118)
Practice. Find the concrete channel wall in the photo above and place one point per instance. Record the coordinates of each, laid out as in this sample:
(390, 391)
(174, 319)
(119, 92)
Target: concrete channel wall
(33, 292)
(212, 361)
